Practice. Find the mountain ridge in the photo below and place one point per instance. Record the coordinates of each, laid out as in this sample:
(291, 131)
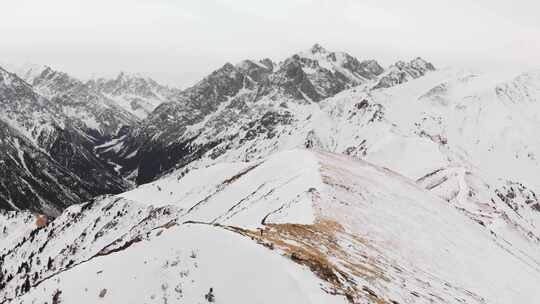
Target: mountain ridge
(295, 208)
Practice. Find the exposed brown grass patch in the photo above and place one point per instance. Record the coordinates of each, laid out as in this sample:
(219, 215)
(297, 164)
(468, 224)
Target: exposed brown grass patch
(328, 251)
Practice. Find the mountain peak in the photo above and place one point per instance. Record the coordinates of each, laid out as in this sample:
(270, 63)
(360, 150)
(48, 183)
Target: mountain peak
(420, 63)
(47, 71)
(6, 77)
(228, 66)
(318, 49)
(26, 71)
(121, 75)
(126, 77)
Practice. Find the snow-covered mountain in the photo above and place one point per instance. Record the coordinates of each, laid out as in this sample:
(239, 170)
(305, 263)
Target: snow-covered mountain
(129, 96)
(52, 125)
(232, 100)
(47, 158)
(80, 101)
(136, 94)
(319, 179)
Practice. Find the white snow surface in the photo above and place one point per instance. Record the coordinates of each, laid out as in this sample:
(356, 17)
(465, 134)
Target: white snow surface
(181, 266)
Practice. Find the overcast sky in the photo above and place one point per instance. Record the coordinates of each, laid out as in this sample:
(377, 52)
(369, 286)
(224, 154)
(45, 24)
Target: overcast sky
(179, 41)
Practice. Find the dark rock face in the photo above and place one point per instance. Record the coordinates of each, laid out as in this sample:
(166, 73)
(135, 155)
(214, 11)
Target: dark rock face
(47, 158)
(292, 81)
(156, 159)
(75, 152)
(518, 197)
(31, 179)
(162, 143)
(319, 74)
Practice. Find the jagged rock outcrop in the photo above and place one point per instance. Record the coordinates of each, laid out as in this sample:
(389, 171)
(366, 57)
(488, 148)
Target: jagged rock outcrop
(401, 72)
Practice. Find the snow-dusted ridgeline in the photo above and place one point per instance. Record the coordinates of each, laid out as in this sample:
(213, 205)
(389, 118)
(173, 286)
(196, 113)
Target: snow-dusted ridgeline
(300, 226)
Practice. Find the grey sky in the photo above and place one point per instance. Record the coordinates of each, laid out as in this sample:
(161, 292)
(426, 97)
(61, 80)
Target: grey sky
(178, 42)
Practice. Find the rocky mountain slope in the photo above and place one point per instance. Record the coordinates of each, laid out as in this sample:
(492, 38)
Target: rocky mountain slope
(232, 98)
(319, 179)
(48, 162)
(136, 94)
(81, 101)
(52, 125)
